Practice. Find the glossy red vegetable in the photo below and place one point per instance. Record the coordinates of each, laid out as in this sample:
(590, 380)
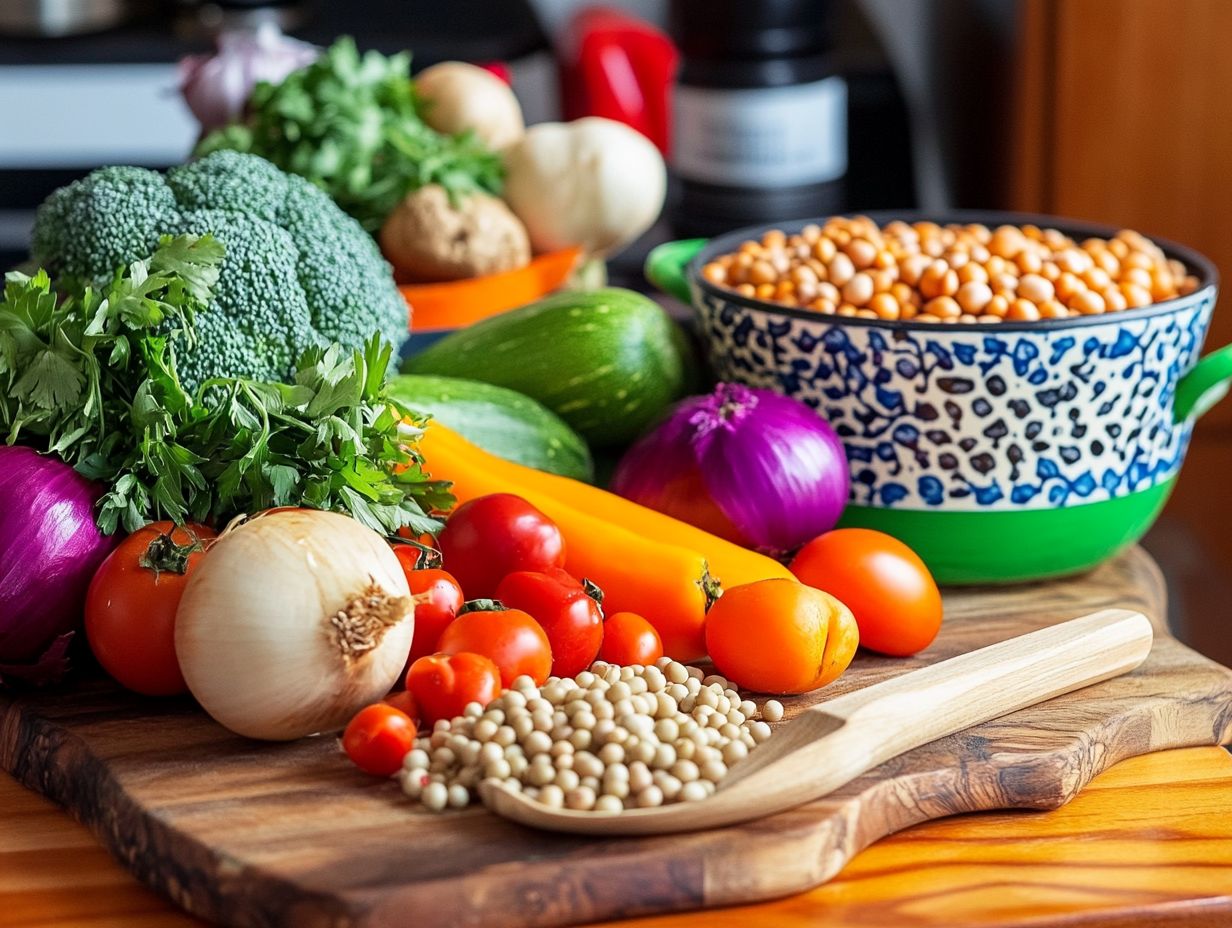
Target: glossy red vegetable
(378, 738)
(491, 536)
(567, 612)
(442, 684)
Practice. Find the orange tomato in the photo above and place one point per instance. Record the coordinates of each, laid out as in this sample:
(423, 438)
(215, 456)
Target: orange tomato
(629, 639)
(885, 584)
(510, 638)
(780, 636)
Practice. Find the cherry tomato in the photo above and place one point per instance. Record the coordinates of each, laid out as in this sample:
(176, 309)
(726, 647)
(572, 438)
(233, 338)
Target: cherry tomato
(378, 739)
(883, 582)
(491, 536)
(131, 604)
(630, 639)
(438, 597)
(404, 701)
(571, 618)
(513, 641)
(442, 684)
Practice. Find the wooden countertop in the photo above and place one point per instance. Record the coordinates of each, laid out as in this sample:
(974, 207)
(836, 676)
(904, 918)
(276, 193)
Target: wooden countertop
(1148, 843)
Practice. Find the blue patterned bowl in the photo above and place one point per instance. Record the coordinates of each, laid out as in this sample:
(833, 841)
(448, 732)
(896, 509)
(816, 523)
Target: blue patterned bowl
(1003, 452)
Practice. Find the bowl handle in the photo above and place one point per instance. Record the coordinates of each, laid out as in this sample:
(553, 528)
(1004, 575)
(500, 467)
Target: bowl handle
(1205, 384)
(666, 263)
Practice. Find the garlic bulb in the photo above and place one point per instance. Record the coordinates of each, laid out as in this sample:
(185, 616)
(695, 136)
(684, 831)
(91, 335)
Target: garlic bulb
(293, 622)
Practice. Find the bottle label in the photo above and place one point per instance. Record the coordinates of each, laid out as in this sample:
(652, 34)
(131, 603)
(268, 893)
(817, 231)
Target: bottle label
(763, 136)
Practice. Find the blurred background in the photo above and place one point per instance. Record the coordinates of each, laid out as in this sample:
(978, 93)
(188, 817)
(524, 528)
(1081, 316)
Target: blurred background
(1094, 109)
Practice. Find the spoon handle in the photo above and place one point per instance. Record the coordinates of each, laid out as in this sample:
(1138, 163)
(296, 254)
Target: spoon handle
(867, 727)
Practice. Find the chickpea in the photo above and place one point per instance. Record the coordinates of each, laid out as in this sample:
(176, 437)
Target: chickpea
(957, 273)
(1089, 303)
(939, 280)
(840, 270)
(1036, 288)
(885, 306)
(861, 251)
(859, 290)
(973, 296)
(1023, 311)
(943, 307)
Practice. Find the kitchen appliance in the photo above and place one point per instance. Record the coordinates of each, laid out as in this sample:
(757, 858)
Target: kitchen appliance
(759, 114)
(998, 452)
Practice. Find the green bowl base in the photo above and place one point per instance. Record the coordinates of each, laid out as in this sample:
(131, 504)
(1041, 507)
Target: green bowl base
(1018, 545)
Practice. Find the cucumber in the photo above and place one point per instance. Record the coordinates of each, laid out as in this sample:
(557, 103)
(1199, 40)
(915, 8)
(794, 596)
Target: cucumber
(608, 361)
(500, 421)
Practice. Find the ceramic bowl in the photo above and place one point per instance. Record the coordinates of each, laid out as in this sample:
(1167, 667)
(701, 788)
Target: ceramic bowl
(1006, 452)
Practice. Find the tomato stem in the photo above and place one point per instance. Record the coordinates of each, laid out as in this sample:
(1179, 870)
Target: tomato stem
(482, 605)
(163, 553)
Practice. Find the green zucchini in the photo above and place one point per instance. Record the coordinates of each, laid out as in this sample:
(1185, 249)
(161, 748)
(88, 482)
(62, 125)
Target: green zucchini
(608, 361)
(500, 421)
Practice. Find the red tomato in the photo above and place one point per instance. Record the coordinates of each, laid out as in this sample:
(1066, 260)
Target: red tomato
(491, 536)
(442, 684)
(438, 597)
(513, 641)
(378, 739)
(883, 582)
(130, 607)
(572, 620)
(630, 639)
(404, 701)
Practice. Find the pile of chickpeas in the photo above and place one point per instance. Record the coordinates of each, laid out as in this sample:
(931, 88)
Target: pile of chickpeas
(609, 739)
(955, 273)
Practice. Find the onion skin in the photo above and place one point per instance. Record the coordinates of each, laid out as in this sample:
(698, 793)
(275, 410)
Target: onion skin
(50, 548)
(253, 633)
(750, 465)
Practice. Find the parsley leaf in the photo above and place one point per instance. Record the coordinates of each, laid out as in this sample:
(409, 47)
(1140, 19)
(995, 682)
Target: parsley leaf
(92, 378)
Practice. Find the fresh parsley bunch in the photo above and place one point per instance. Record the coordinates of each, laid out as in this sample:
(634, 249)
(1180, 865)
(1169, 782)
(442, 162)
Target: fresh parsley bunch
(92, 378)
(351, 124)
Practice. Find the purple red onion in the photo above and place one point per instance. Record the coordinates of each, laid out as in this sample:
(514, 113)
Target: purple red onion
(756, 467)
(50, 547)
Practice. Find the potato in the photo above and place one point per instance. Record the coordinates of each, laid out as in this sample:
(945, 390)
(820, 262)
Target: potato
(462, 96)
(428, 238)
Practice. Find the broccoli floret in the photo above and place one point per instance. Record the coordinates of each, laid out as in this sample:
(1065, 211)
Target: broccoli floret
(298, 271)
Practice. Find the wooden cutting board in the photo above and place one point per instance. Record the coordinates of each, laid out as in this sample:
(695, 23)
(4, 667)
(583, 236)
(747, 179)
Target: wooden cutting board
(252, 834)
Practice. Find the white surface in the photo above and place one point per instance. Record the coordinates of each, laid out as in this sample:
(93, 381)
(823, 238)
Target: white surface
(761, 137)
(73, 116)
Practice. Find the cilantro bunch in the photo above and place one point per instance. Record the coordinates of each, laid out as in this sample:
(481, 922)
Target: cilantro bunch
(91, 377)
(351, 124)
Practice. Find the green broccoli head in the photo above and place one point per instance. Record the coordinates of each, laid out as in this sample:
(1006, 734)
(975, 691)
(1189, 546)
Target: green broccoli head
(298, 270)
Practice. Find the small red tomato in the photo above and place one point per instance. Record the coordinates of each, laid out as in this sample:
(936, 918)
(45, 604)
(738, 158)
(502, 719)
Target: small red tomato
(442, 684)
(571, 618)
(510, 638)
(438, 597)
(403, 701)
(131, 605)
(491, 536)
(883, 582)
(378, 739)
(630, 639)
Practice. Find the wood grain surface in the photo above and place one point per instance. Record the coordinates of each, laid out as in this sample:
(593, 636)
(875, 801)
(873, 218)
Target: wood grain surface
(252, 834)
(1146, 844)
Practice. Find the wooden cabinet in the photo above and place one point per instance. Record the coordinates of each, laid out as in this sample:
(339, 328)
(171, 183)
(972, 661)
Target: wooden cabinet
(1123, 115)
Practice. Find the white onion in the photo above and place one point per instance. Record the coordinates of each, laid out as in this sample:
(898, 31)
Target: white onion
(292, 623)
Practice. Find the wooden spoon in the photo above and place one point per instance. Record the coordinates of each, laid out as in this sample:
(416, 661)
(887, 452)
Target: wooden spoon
(832, 743)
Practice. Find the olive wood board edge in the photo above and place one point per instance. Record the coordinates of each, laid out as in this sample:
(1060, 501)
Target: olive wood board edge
(250, 834)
